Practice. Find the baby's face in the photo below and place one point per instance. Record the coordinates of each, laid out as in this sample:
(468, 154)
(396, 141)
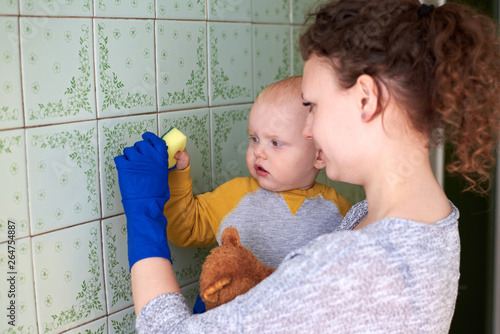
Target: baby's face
(278, 156)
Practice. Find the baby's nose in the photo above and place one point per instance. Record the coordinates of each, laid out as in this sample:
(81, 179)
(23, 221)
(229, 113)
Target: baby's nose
(260, 151)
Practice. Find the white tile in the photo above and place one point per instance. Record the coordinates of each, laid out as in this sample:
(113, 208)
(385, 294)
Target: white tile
(271, 11)
(96, 327)
(187, 262)
(10, 82)
(125, 67)
(14, 196)
(271, 55)
(298, 62)
(300, 8)
(114, 135)
(230, 63)
(119, 8)
(9, 7)
(122, 322)
(56, 7)
(63, 175)
(16, 286)
(68, 275)
(58, 83)
(195, 124)
(229, 142)
(181, 62)
(116, 267)
(190, 292)
(181, 9)
(230, 10)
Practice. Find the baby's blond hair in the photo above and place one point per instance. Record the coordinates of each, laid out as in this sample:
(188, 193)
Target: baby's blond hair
(282, 92)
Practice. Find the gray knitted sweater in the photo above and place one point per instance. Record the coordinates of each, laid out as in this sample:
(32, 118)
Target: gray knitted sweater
(393, 276)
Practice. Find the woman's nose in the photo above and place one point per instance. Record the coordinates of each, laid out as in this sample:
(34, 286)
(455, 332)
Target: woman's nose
(307, 130)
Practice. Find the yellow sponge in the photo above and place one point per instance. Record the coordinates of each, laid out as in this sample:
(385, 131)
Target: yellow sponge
(176, 141)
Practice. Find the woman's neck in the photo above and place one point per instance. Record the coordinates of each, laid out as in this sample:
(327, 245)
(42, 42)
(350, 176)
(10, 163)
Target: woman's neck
(405, 188)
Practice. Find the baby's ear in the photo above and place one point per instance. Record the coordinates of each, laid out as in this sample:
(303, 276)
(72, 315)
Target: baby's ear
(319, 163)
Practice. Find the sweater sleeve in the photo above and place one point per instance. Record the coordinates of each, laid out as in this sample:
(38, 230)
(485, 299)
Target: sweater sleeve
(193, 221)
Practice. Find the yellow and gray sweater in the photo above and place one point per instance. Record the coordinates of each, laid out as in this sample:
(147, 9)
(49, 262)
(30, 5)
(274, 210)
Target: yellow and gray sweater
(271, 224)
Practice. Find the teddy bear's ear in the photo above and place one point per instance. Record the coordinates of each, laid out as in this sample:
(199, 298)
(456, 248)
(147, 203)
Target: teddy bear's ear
(211, 294)
(230, 236)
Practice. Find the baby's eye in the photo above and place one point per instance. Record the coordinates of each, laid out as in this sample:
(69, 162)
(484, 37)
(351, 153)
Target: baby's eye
(276, 143)
(253, 139)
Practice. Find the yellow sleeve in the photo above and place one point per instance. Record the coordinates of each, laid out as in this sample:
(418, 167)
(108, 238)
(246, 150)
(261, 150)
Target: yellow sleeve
(193, 221)
(343, 205)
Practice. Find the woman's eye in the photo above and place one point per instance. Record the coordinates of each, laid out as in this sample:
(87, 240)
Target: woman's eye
(276, 143)
(308, 104)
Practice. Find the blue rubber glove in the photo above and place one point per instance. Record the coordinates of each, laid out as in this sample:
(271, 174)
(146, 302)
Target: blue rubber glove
(143, 179)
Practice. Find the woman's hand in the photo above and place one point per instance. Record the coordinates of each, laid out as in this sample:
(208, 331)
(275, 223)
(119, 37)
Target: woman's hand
(143, 179)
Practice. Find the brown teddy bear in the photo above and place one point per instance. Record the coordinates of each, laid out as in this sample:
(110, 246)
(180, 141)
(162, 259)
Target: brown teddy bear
(229, 271)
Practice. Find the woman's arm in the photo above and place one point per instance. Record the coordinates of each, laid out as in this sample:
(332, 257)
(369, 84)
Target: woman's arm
(152, 277)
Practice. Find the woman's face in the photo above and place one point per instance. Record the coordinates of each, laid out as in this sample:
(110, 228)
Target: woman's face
(333, 121)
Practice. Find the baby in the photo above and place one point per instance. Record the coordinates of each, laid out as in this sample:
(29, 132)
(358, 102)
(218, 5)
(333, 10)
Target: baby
(277, 210)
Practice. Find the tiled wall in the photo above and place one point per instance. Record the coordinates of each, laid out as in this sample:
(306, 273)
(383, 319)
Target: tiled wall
(79, 81)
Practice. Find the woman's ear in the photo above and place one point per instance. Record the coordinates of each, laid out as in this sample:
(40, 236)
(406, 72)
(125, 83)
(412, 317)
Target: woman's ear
(367, 95)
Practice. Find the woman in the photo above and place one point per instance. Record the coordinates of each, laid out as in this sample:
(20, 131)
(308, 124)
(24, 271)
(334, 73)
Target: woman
(380, 77)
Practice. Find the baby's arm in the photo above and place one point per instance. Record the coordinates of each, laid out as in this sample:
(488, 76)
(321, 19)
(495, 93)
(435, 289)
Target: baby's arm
(183, 159)
(186, 224)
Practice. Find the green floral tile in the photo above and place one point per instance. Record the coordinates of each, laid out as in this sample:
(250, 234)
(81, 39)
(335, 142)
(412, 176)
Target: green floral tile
(181, 9)
(229, 142)
(187, 262)
(181, 64)
(58, 82)
(300, 8)
(62, 175)
(68, 275)
(129, 8)
(271, 55)
(230, 10)
(122, 322)
(114, 135)
(10, 80)
(14, 196)
(56, 7)
(116, 267)
(272, 11)
(9, 7)
(125, 66)
(230, 63)
(96, 327)
(195, 124)
(190, 293)
(18, 272)
(297, 61)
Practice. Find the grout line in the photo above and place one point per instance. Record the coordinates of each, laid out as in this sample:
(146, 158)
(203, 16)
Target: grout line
(123, 116)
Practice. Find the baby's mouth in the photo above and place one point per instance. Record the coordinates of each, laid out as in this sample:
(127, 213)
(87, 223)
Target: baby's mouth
(260, 170)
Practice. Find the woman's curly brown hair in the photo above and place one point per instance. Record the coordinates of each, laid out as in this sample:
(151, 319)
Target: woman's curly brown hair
(442, 65)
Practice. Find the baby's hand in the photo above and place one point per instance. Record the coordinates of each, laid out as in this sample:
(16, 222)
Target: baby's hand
(182, 160)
